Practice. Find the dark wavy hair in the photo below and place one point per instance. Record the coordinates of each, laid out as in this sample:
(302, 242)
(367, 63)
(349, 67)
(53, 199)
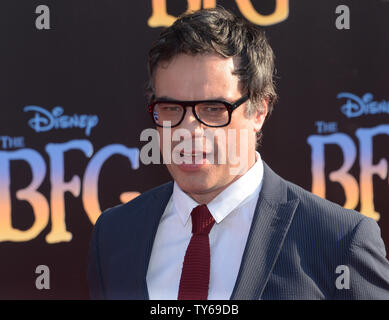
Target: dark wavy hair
(219, 31)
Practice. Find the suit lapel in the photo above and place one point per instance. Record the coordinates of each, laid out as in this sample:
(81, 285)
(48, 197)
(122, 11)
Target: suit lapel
(156, 210)
(272, 218)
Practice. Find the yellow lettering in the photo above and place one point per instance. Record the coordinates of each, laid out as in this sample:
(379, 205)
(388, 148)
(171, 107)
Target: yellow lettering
(30, 194)
(160, 17)
(280, 13)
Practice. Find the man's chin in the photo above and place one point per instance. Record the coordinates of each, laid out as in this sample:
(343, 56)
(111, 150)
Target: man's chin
(191, 179)
(189, 170)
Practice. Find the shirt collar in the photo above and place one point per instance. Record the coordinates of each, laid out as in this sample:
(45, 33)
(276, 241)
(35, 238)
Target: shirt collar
(226, 201)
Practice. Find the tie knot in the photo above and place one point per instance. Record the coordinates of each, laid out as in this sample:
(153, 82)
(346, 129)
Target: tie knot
(202, 220)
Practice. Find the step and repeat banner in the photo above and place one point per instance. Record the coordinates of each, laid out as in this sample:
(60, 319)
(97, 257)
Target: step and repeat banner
(72, 104)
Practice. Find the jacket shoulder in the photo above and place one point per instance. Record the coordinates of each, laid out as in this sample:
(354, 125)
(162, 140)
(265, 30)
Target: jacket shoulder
(136, 205)
(319, 213)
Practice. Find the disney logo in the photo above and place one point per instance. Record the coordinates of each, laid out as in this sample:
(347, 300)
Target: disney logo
(44, 120)
(356, 107)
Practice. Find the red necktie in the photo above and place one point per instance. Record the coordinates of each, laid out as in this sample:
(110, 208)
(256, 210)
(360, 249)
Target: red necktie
(195, 270)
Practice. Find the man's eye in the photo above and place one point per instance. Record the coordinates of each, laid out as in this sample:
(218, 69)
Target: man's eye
(214, 109)
(170, 108)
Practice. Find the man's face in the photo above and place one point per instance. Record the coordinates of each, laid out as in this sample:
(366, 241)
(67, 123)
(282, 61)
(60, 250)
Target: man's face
(207, 77)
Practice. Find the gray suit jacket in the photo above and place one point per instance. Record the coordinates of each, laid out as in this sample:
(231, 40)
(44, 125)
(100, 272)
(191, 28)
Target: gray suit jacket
(295, 245)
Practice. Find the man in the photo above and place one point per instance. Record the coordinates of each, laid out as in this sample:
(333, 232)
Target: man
(228, 228)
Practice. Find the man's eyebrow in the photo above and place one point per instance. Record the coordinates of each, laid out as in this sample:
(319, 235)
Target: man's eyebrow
(167, 98)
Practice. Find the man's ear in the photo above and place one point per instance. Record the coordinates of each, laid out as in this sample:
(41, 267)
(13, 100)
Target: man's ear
(260, 115)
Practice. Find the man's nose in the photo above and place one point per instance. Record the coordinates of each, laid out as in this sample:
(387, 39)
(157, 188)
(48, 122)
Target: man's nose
(190, 122)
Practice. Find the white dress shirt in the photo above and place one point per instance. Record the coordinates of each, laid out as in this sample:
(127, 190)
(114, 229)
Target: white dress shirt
(233, 211)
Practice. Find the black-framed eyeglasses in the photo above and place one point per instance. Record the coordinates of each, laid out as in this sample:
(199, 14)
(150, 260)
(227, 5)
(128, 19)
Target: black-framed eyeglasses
(212, 113)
